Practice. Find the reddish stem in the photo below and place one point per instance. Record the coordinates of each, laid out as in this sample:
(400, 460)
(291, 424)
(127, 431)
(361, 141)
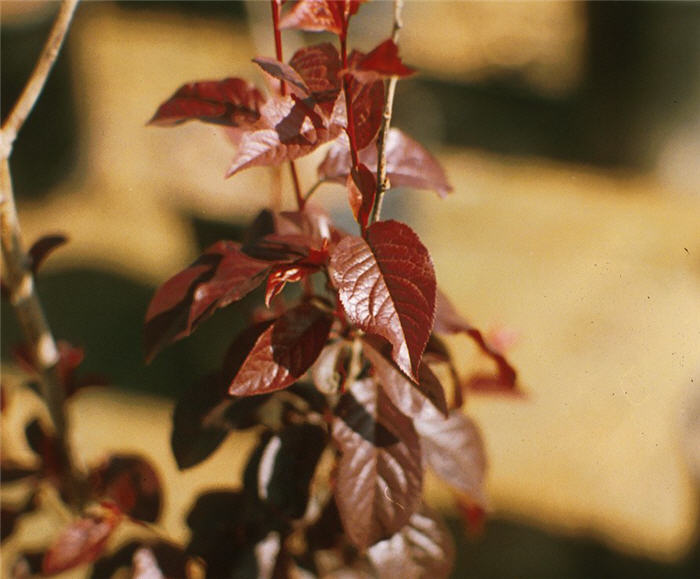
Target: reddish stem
(275, 4)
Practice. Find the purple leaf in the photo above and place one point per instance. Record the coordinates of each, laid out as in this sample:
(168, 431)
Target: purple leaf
(386, 284)
(379, 473)
(453, 448)
(232, 102)
(422, 548)
(408, 164)
(409, 397)
(449, 321)
(222, 275)
(283, 352)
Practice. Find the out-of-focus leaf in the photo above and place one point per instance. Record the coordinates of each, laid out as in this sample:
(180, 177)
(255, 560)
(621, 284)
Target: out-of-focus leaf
(454, 449)
(315, 16)
(422, 548)
(231, 102)
(286, 467)
(379, 473)
(132, 483)
(226, 527)
(43, 247)
(408, 396)
(222, 275)
(329, 370)
(283, 352)
(146, 565)
(170, 559)
(381, 62)
(408, 164)
(81, 542)
(11, 471)
(386, 283)
(449, 321)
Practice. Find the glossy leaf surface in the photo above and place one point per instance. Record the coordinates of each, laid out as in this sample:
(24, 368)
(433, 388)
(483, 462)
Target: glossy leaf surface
(386, 284)
(283, 352)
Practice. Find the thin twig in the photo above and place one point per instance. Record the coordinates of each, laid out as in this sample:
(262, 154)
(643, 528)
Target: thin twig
(34, 86)
(386, 122)
(17, 271)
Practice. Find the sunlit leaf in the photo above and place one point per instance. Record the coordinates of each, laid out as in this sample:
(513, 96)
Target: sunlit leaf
(386, 283)
(381, 62)
(231, 101)
(290, 128)
(315, 16)
(80, 542)
(408, 163)
(283, 352)
(222, 275)
(422, 548)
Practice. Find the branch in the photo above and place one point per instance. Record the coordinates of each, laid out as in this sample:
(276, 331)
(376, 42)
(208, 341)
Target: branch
(386, 122)
(17, 271)
(35, 85)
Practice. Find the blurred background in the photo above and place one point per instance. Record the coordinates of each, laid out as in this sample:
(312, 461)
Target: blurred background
(571, 134)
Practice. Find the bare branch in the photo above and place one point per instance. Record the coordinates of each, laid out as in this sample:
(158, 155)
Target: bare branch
(35, 84)
(386, 121)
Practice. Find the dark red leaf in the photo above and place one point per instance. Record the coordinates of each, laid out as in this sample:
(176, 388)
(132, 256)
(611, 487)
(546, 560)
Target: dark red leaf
(281, 276)
(408, 396)
(379, 473)
(132, 483)
(222, 275)
(232, 102)
(449, 321)
(423, 548)
(367, 102)
(290, 128)
(315, 16)
(408, 164)
(80, 542)
(43, 247)
(382, 62)
(362, 188)
(386, 284)
(453, 448)
(283, 352)
(319, 67)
